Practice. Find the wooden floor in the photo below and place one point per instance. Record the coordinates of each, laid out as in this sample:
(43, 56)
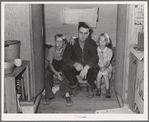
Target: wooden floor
(81, 104)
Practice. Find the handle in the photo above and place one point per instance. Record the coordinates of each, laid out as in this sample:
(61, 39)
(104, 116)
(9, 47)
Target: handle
(135, 61)
(6, 45)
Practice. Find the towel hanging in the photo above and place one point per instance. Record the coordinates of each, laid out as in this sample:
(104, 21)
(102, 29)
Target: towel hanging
(74, 16)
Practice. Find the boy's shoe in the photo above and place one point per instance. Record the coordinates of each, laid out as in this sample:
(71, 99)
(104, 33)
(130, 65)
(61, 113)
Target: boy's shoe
(48, 101)
(98, 92)
(108, 94)
(91, 94)
(69, 103)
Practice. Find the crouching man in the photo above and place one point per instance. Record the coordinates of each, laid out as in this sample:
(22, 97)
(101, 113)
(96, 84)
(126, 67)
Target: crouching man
(81, 59)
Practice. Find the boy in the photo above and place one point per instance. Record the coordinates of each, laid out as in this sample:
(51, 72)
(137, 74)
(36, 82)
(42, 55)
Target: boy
(55, 57)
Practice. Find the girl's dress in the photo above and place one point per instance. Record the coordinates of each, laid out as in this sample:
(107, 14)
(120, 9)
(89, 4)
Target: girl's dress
(104, 56)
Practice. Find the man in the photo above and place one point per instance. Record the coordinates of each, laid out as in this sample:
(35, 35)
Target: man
(81, 59)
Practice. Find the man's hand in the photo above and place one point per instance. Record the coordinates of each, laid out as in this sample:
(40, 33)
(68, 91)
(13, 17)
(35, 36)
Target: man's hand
(78, 66)
(72, 41)
(84, 72)
(59, 76)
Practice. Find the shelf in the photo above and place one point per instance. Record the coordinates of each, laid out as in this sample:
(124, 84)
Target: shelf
(137, 53)
(10, 86)
(17, 70)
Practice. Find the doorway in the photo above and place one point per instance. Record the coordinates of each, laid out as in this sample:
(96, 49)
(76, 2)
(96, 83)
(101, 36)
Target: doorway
(82, 96)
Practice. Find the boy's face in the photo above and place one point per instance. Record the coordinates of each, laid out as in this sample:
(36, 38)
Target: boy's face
(83, 33)
(59, 42)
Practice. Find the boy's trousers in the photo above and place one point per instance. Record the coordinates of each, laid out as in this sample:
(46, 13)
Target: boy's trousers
(64, 86)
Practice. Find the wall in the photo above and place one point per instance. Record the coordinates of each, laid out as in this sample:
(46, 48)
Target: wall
(107, 21)
(17, 27)
(132, 32)
(24, 22)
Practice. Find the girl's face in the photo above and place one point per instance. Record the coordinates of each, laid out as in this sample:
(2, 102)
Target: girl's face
(59, 42)
(102, 41)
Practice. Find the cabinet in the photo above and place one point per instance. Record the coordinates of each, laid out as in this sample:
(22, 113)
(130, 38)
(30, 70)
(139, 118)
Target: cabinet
(132, 80)
(136, 81)
(10, 86)
(139, 88)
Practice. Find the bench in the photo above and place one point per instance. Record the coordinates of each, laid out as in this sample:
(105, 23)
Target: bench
(82, 83)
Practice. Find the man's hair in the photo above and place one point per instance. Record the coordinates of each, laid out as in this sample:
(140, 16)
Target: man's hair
(62, 36)
(83, 24)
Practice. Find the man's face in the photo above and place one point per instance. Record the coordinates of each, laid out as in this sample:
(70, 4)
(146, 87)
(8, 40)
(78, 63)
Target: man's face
(83, 33)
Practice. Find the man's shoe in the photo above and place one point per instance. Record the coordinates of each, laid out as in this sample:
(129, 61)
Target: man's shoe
(91, 94)
(48, 101)
(76, 90)
(69, 103)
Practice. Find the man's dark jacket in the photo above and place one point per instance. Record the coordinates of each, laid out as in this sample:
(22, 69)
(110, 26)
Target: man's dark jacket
(87, 56)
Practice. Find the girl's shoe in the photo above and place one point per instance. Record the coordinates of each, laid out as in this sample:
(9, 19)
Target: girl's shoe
(108, 94)
(98, 92)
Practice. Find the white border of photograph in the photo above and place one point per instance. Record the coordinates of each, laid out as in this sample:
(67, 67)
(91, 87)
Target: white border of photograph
(74, 117)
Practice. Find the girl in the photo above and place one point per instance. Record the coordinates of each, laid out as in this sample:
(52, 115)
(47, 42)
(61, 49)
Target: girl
(105, 55)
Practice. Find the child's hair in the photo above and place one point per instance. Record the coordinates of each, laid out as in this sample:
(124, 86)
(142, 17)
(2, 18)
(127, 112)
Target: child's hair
(107, 38)
(83, 24)
(62, 36)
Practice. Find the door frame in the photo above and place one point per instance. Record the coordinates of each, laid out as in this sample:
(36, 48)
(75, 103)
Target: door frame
(122, 93)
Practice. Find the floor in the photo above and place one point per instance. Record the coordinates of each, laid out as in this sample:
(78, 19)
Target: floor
(81, 104)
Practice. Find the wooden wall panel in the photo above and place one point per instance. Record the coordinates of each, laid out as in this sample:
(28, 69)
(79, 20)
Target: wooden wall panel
(37, 48)
(120, 48)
